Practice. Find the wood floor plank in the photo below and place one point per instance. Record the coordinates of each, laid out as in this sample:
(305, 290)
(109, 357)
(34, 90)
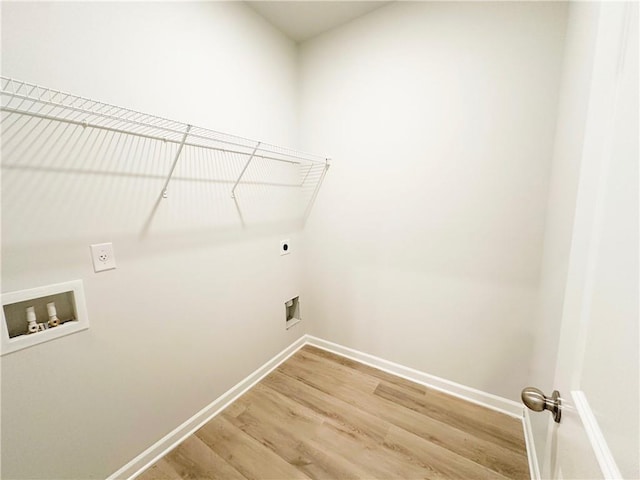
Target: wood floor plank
(504, 461)
(161, 470)
(440, 462)
(245, 454)
(290, 432)
(349, 433)
(466, 413)
(442, 406)
(480, 450)
(239, 405)
(373, 457)
(275, 424)
(477, 420)
(361, 367)
(341, 414)
(466, 420)
(310, 366)
(193, 459)
(323, 416)
(360, 428)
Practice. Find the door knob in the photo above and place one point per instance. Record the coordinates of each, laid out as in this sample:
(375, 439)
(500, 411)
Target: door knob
(535, 400)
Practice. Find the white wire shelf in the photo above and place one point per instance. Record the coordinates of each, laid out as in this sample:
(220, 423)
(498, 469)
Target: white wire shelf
(20, 98)
(30, 99)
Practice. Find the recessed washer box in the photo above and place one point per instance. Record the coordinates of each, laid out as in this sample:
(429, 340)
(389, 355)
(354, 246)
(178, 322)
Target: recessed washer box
(70, 308)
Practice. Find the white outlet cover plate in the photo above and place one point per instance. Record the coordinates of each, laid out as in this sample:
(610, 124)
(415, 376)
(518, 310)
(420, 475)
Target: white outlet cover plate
(285, 247)
(103, 257)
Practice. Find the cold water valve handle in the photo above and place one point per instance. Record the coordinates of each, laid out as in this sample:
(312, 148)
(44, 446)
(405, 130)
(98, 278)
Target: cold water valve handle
(535, 400)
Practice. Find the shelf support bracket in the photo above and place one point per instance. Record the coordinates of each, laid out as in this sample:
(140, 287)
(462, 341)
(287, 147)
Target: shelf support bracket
(233, 190)
(327, 164)
(165, 194)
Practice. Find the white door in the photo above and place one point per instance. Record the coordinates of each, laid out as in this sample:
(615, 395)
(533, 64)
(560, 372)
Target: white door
(598, 366)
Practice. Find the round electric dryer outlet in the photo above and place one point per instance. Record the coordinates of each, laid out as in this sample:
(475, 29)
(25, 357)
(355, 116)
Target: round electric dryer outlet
(285, 247)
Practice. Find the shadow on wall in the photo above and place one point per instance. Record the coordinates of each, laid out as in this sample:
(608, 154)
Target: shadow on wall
(63, 181)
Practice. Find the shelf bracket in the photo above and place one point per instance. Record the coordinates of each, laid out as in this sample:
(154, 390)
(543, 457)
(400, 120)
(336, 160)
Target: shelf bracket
(327, 164)
(165, 194)
(233, 190)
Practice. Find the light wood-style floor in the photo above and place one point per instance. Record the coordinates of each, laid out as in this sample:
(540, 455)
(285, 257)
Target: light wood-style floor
(319, 415)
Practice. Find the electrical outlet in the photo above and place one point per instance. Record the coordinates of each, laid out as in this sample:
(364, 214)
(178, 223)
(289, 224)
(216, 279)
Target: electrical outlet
(285, 247)
(103, 257)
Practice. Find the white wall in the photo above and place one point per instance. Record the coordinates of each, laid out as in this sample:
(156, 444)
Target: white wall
(426, 242)
(196, 304)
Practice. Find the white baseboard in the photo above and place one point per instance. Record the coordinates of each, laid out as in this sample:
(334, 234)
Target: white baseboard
(603, 454)
(172, 439)
(494, 402)
(532, 456)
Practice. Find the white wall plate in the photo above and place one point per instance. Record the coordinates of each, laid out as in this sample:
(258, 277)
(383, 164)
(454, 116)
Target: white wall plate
(285, 247)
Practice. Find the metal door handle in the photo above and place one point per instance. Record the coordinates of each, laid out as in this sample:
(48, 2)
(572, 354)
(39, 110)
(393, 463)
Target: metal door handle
(535, 400)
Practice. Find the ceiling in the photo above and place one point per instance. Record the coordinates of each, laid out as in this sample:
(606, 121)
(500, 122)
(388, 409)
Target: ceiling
(301, 20)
